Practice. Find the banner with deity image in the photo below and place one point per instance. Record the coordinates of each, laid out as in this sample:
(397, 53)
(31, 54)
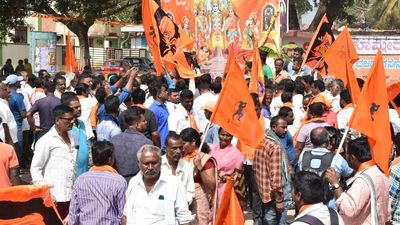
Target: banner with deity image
(216, 24)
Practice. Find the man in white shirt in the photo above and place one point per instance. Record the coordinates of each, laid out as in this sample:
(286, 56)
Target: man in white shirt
(8, 119)
(343, 116)
(173, 164)
(198, 104)
(88, 102)
(154, 197)
(309, 197)
(181, 117)
(54, 159)
(336, 87)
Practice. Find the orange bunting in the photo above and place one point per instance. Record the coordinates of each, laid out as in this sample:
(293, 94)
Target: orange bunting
(70, 61)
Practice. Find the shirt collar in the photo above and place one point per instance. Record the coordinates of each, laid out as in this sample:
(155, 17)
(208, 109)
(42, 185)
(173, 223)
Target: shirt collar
(179, 167)
(311, 208)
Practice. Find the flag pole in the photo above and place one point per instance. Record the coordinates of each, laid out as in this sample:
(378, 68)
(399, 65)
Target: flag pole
(204, 135)
(340, 146)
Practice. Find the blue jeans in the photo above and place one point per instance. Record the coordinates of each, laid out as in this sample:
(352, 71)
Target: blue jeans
(287, 198)
(271, 215)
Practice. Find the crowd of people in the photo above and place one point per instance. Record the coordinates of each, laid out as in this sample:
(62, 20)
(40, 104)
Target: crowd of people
(129, 149)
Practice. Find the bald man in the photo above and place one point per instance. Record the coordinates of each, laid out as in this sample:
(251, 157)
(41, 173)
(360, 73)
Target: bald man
(319, 158)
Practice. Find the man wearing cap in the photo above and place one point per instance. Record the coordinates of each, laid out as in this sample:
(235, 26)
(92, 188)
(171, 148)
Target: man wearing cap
(212, 136)
(17, 107)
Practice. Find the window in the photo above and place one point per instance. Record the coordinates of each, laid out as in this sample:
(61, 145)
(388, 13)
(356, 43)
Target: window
(21, 33)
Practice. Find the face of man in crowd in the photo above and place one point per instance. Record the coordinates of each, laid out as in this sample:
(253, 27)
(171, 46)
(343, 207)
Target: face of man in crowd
(207, 114)
(150, 164)
(278, 66)
(280, 128)
(225, 138)
(335, 89)
(65, 122)
(88, 81)
(297, 54)
(4, 91)
(60, 86)
(268, 98)
(141, 124)
(76, 105)
(290, 118)
(314, 90)
(296, 66)
(187, 104)
(174, 149)
(163, 95)
(306, 101)
(174, 97)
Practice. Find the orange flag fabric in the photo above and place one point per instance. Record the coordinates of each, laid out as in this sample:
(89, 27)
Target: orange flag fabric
(340, 58)
(393, 91)
(231, 57)
(371, 114)
(321, 41)
(229, 212)
(28, 204)
(235, 111)
(70, 61)
(257, 75)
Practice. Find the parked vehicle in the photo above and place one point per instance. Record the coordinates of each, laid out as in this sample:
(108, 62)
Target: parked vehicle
(118, 66)
(144, 64)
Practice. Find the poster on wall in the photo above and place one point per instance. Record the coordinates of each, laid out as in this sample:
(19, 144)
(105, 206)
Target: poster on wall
(43, 51)
(217, 24)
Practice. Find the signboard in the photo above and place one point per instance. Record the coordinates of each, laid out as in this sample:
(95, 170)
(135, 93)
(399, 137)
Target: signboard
(391, 63)
(43, 51)
(370, 45)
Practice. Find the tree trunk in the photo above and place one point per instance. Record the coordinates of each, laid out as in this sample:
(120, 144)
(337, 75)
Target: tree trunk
(81, 30)
(293, 19)
(322, 9)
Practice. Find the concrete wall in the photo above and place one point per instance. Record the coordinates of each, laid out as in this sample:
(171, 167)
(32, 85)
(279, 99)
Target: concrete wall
(14, 52)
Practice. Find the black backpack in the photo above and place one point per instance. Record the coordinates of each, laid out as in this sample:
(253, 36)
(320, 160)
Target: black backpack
(326, 161)
(312, 220)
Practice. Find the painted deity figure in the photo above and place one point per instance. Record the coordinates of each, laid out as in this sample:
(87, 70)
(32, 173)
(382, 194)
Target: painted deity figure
(232, 27)
(186, 26)
(201, 27)
(217, 37)
(251, 31)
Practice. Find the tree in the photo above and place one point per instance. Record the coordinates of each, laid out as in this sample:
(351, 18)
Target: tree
(384, 14)
(78, 16)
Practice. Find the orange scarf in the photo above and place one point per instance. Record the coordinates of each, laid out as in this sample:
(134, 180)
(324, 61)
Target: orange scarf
(105, 168)
(190, 156)
(139, 105)
(288, 104)
(304, 207)
(192, 121)
(366, 165)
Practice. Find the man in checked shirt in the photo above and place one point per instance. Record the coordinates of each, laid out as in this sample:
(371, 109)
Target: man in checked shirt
(267, 167)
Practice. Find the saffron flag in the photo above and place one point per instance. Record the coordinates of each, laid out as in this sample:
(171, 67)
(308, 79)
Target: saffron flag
(371, 114)
(181, 12)
(229, 211)
(231, 57)
(340, 58)
(235, 111)
(70, 61)
(257, 75)
(393, 94)
(28, 204)
(165, 38)
(321, 41)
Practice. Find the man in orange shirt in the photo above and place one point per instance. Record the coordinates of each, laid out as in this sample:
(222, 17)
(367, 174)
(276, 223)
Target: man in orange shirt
(9, 166)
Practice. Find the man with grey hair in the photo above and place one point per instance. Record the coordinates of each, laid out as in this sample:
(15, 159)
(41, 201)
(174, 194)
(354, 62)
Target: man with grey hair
(153, 196)
(335, 88)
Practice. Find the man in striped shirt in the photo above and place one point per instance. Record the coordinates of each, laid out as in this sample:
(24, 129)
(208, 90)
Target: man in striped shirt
(99, 195)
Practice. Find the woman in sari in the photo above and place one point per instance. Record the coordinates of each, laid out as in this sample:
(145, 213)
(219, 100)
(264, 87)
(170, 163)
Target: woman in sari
(205, 176)
(229, 159)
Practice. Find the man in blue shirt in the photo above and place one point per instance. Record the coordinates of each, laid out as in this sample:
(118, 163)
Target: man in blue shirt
(159, 91)
(17, 107)
(287, 140)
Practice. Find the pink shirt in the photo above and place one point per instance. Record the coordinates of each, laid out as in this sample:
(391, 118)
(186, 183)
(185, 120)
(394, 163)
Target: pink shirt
(304, 133)
(355, 205)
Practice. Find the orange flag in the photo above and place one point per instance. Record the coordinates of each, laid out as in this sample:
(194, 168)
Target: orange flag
(257, 75)
(321, 41)
(393, 91)
(340, 58)
(231, 57)
(371, 114)
(235, 111)
(229, 211)
(70, 61)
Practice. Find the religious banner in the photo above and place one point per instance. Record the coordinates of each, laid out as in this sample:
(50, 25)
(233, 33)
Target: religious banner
(219, 23)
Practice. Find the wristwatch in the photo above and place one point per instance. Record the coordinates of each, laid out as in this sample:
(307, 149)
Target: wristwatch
(335, 186)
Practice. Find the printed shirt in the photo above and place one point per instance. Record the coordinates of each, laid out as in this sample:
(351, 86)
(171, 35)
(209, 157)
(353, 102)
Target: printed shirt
(394, 193)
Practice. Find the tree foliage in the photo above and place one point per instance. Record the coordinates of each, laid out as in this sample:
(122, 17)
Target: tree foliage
(77, 15)
(384, 14)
